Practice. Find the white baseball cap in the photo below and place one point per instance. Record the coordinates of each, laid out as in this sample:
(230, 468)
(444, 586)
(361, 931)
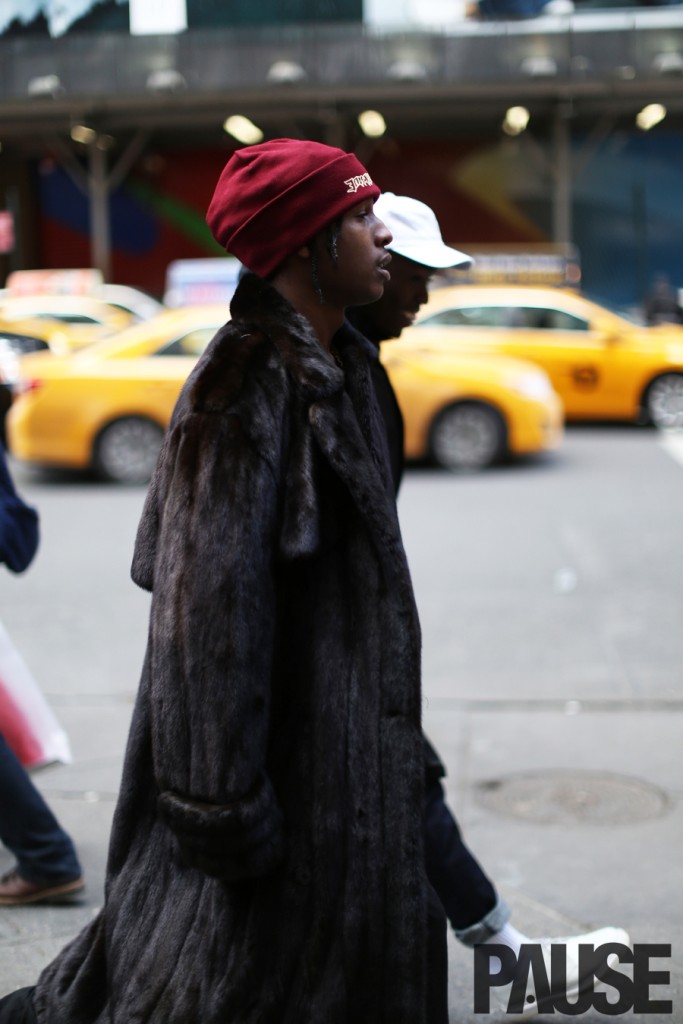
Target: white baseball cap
(416, 232)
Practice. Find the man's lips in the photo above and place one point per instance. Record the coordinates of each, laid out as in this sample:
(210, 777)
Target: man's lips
(383, 266)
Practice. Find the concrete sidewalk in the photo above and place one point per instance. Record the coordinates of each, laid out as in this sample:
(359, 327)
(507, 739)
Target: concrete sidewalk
(560, 877)
(553, 654)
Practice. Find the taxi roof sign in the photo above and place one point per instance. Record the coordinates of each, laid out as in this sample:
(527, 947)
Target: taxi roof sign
(542, 264)
(82, 281)
(199, 281)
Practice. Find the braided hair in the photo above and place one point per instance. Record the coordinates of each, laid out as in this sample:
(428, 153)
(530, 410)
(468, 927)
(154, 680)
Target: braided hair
(332, 232)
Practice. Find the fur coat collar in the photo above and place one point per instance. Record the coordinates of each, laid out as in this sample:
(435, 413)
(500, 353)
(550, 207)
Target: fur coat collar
(339, 404)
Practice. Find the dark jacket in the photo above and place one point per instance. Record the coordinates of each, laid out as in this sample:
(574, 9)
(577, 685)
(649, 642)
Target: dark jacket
(393, 420)
(386, 396)
(266, 863)
(394, 429)
(19, 533)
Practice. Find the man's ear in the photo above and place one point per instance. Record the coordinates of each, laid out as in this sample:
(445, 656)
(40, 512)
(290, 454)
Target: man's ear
(304, 252)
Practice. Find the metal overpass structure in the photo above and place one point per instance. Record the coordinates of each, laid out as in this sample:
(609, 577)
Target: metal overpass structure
(581, 74)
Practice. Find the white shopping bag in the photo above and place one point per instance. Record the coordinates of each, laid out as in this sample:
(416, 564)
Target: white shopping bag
(26, 720)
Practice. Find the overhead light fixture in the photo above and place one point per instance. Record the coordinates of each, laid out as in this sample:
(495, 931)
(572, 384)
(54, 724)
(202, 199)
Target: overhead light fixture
(45, 85)
(580, 64)
(372, 124)
(165, 80)
(539, 66)
(407, 71)
(286, 71)
(516, 120)
(81, 133)
(650, 115)
(242, 129)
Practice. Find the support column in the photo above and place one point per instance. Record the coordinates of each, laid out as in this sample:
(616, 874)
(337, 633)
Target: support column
(562, 178)
(98, 194)
(98, 183)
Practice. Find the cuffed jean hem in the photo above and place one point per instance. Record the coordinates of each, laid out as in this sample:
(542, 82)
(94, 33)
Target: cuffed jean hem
(490, 925)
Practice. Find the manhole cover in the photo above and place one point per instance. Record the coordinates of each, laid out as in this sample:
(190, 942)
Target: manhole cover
(573, 798)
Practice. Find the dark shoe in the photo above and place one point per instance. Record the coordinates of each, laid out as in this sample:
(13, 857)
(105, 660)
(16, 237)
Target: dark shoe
(15, 890)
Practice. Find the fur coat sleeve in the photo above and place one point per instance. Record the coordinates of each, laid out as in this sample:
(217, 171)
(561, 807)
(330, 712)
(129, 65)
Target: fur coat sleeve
(211, 639)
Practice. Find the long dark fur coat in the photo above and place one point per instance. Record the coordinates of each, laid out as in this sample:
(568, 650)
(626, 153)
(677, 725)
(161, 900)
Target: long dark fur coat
(266, 863)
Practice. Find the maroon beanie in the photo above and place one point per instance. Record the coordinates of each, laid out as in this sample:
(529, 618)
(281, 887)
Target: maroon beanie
(274, 197)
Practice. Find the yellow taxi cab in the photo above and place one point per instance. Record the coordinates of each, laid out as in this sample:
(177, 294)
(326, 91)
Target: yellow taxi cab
(105, 408)
(13, 344)
(68, 321)
(466, 411)
(81, 282)
(603, 365)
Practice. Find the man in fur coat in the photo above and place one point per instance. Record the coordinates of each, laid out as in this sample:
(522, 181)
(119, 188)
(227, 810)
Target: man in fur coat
(266, 862)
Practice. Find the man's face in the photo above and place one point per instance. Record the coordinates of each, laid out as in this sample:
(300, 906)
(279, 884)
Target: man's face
(360, 272)
(403, 296)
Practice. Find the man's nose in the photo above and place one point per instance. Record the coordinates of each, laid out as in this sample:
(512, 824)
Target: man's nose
(384, 235)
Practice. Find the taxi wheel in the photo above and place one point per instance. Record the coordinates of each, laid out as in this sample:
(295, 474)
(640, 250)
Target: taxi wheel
(126, 450)
(664, 401)
(469, 435)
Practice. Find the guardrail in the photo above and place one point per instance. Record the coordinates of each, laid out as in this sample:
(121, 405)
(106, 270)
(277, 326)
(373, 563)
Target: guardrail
(588, 46)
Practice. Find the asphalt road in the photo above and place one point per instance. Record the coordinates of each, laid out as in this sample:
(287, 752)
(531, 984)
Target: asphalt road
(552, 610)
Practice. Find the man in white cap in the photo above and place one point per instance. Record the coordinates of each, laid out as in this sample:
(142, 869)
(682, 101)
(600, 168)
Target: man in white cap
(476, 912)
(418, 252)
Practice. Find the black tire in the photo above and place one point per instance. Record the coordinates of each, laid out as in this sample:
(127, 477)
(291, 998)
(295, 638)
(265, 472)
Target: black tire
(664, 401)
(126, 450)
(468, 435)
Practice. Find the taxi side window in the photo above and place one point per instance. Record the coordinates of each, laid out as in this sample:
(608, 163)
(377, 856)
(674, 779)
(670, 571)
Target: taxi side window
(191, 344)
(555, 320)
(540, 318)
(525, 317)
(65, 318)
(465, 316)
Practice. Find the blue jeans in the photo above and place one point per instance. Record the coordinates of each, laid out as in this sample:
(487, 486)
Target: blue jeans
(472, 905)
(28, 828)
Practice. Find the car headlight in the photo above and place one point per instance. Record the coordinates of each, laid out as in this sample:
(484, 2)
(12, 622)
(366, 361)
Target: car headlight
(534, 385)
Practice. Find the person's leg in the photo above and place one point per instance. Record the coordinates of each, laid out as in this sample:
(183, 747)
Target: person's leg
(28, 828)
(472, 905)
(477, 914)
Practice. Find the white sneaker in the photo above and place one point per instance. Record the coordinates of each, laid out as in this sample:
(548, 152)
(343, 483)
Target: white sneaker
(575, 984)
